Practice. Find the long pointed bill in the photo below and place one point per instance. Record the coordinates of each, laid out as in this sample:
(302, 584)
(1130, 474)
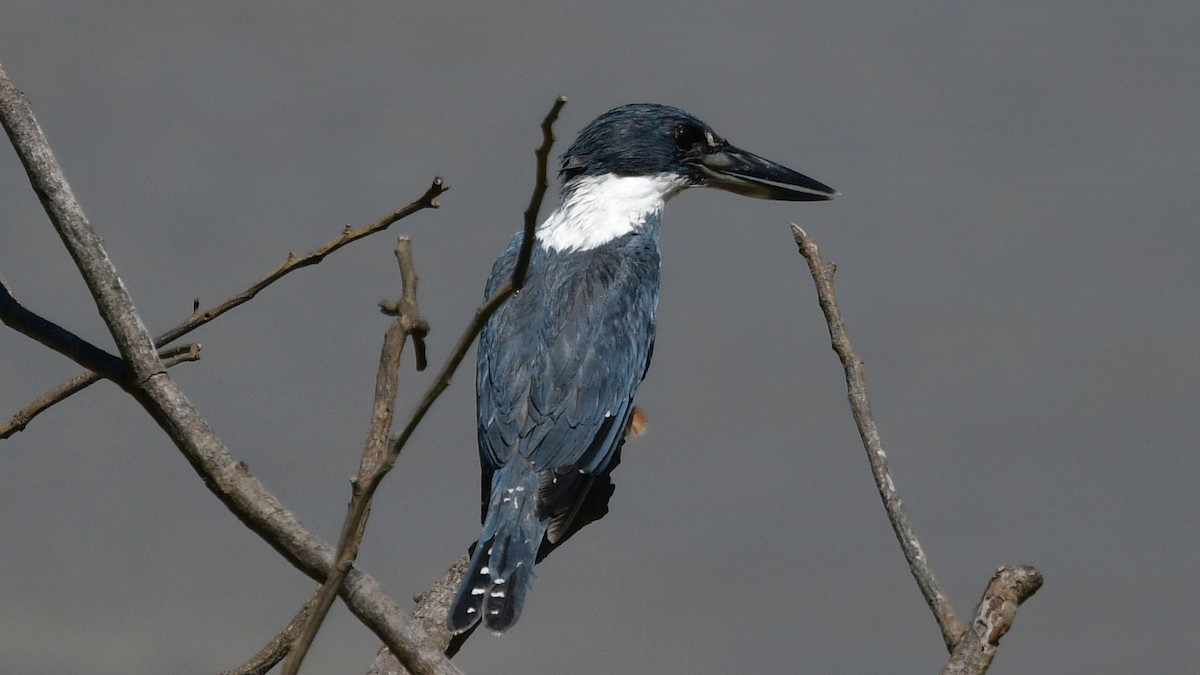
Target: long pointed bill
(748, 174)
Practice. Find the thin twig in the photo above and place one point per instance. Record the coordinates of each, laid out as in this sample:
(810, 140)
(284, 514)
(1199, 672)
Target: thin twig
(405, 309)
(971, 651)
(498, 297)
(374, 451)
(294, 262)
(376, 465)
(16, 316)
(542, 155)
(171, 356)
(279, 646)
(433, 603)
(153, 388)
(994, 615)
(860, 406)
(198, 318)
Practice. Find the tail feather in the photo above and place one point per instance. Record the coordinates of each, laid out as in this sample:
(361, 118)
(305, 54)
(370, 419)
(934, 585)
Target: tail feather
(501, 570)
(468, 601)
(505, 598)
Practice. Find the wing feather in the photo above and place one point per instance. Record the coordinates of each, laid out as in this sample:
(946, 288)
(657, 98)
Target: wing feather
(560, 362)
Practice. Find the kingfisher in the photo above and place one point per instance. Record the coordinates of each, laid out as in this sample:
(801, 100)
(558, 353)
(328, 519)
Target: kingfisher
(560, 361)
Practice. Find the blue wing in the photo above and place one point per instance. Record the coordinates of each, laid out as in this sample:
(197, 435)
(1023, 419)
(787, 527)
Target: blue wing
(559, 365)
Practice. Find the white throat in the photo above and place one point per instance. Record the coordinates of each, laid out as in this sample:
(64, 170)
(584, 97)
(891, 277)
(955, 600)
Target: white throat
(598, 209)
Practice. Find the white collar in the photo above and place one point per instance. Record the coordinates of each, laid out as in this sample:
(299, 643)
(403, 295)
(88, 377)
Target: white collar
(598, 209)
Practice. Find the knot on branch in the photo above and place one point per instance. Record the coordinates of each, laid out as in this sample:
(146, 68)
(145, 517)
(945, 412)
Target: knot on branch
(429, 199)
(409, 315)
(406, 311)
(1011, 586)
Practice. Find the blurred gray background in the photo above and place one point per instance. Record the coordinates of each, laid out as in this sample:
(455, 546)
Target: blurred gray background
(1016, 245)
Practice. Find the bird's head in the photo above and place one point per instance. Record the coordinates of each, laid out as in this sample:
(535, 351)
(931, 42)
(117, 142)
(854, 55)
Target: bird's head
(644, 139)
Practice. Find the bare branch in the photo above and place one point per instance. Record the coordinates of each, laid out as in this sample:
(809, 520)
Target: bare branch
(498, 297)
(432, 606)
(375, 451)
(994, 615)
(971, 650)
(172, 356)
(542, 155)
(279, 646)
(150, 385)
(406, 309)
(82, 243)
(16, 316)
(434, 602)
(294, 262)
(198, 318)
(376, 465)
(860, 406)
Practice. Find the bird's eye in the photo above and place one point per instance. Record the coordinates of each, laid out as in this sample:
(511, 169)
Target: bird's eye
(688, 137)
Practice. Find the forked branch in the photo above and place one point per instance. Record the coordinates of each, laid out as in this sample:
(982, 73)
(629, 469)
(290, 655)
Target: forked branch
(1012, 587)
(375, 451)
(147, 381)
(435, 602)
(200, 317)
